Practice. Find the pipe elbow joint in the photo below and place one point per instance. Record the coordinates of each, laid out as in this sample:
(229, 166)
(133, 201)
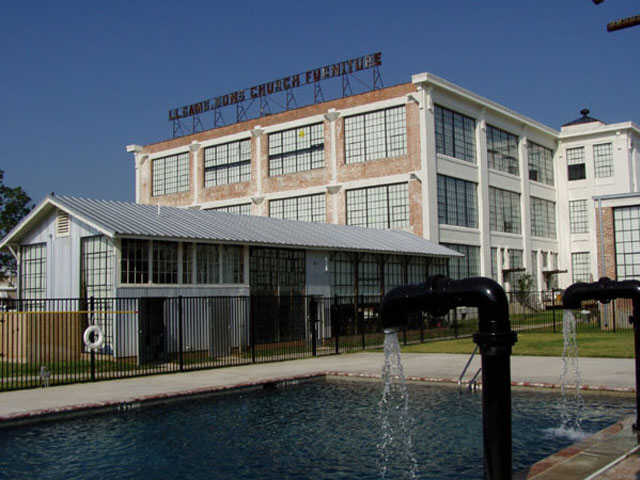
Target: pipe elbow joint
(604, 290)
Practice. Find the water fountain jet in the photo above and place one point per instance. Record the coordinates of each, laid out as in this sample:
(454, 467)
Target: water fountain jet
(605, 290)
(495, 338)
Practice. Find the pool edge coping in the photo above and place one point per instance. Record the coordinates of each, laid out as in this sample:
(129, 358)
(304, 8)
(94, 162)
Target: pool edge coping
(74, 410)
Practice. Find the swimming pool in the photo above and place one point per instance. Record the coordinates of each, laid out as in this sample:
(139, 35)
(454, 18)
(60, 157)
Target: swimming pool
(319, 430)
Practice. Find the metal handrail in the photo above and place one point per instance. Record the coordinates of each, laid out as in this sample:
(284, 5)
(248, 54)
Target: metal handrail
(473, 384)
(464, 370)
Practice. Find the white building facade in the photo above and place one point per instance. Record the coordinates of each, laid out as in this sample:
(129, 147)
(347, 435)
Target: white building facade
(511, 194)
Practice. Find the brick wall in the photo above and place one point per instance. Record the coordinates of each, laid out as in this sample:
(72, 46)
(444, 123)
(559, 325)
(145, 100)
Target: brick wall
(302, 180)
(609, 244)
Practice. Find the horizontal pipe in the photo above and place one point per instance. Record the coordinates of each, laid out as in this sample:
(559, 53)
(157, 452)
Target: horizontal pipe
(604, 290)
(440, 294)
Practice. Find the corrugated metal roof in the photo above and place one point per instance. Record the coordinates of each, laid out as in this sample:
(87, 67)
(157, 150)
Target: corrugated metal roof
(135, 220)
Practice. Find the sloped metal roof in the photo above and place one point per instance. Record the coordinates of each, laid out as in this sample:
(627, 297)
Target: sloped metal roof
(122, 219)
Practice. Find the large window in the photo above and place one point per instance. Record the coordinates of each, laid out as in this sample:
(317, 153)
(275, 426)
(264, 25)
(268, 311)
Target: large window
(96, 267)
(457, 202)
(341, 270)
(533, 267)
(467, 266)
(504, 210)
(455, 134)
(575, 164)
(232, 264)
(515, 262)
(603, 160)
(170, 174)
(369, 275)
(419, 268)
(543, 218)
(208, 263)
(187, 262)
(227, 163)
(540, 163)
(277, 271)
(394, 272)
(502, 150)
(626, 223)
(296, 150)
(375, 135)
(240, 209)
(581, 266)
(578, 221)
(165, 262)
(308, 208)
(386, 206)
(134, 261)
(33, 271)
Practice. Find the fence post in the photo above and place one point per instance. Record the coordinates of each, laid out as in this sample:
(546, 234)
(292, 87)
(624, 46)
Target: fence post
(313, 319)
(421, 327)
(404, 335)
(252, 328)
(92, 350)
(613, 315)
(455, 322)
(554, 318)
(180, 337)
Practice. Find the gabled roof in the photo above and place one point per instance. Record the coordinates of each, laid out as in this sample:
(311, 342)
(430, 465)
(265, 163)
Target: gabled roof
(122, 219)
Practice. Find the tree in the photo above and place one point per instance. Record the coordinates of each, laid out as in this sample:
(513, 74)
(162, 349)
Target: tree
(14, 204)
(523, 294)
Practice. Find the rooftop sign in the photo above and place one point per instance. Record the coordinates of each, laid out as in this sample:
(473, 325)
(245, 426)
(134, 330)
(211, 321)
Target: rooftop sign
(285, 84)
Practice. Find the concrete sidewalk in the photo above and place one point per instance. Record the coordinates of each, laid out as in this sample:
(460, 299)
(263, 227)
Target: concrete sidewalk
(608, 374)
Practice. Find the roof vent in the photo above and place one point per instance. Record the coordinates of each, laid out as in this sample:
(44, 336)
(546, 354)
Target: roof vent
(585, 118)
(63, 224)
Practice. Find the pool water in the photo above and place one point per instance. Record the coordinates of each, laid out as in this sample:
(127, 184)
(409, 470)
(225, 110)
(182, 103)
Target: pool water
(315, 430)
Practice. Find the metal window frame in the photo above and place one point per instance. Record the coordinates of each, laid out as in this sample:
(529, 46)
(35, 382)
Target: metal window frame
(350, 132)
(603, 160)
(578, 220)
(368, 208)
(281, 203)
(510, 163)
(29, 277)
(212, 170)
(439, 120)
(298, 152)
(450, 212)
(180, 158)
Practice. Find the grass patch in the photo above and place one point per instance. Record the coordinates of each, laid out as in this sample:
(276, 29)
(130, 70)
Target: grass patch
(590, 344)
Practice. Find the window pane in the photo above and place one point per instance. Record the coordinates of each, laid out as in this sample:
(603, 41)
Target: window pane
(385, 206)
(457, 202)
(455, 134)
(227, 163)
(375, 135)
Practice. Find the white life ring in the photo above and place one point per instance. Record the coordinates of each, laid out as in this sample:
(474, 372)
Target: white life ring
(98, 337)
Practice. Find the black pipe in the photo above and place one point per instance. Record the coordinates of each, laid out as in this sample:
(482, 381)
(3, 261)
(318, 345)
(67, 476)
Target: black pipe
(605, 290)
(437, 296)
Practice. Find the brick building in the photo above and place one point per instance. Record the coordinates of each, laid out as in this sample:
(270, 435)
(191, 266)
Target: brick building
(428, 156)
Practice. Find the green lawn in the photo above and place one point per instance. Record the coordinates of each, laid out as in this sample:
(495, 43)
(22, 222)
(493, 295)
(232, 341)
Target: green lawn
(590, 344)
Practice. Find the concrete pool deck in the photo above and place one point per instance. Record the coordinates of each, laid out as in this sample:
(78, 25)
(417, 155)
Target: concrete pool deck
(616, 375)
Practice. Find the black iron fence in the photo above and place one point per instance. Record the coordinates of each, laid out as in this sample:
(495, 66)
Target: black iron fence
(42, 342)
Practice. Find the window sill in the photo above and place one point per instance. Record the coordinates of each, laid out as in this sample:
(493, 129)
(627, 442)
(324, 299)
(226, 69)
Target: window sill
(442, 156)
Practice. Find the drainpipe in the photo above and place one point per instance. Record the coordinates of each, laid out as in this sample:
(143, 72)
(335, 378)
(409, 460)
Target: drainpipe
(603, 267)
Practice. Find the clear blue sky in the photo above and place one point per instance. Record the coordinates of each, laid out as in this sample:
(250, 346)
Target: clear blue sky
(79, 81)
